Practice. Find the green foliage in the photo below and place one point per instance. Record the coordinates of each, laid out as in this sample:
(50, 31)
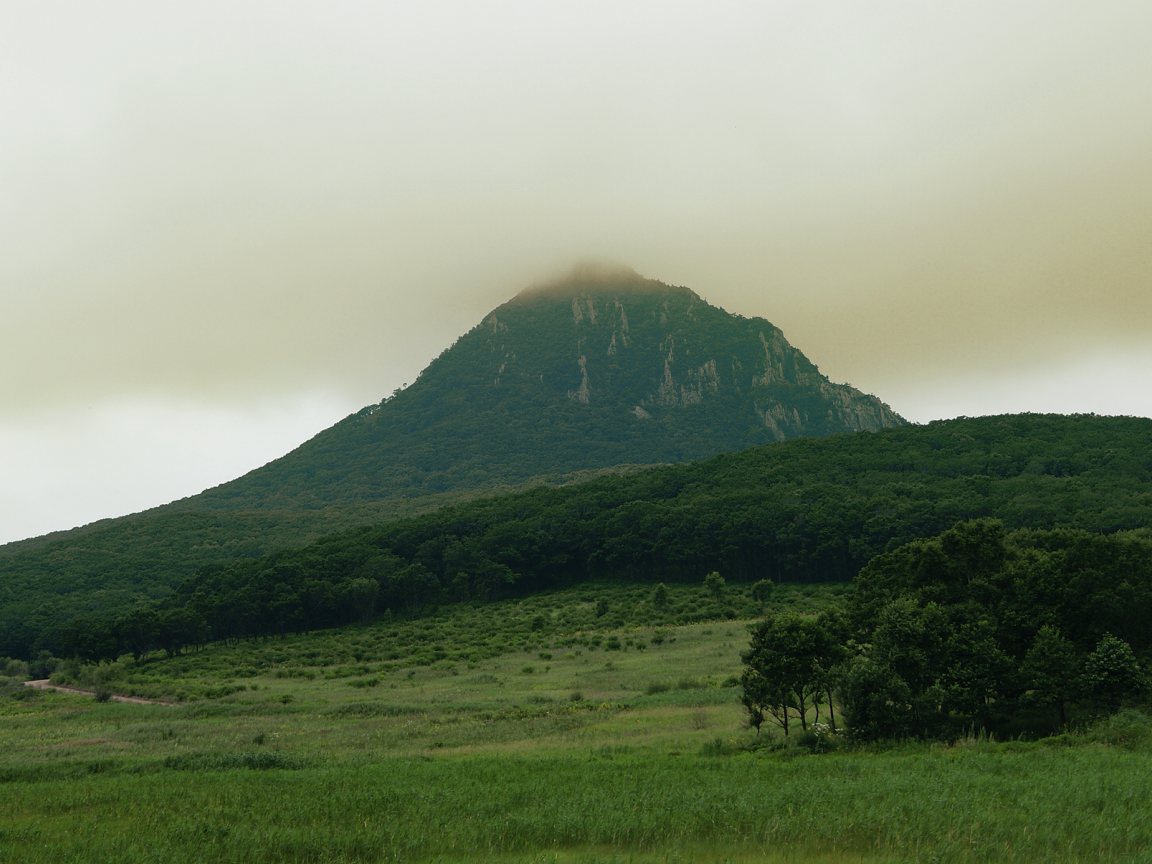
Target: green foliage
(1128, 728)
(791, 662)
(762, 590)
(1111, 674)
(978, 628)
(490, 765)
(1048, 672)
(714, 585)
(800, 511)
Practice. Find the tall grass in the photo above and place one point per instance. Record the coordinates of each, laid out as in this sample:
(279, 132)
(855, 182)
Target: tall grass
(1045, 804)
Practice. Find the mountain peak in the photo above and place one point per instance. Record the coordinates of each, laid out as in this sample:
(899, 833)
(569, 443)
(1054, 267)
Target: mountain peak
(592, 277)
(597, 369)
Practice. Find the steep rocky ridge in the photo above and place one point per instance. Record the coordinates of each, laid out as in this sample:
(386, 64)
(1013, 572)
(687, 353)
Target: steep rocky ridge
(599, 369)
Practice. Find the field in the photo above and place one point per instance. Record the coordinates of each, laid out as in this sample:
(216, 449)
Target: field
(537, 742)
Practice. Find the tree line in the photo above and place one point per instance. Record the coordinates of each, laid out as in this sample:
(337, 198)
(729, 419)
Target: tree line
(809, 510)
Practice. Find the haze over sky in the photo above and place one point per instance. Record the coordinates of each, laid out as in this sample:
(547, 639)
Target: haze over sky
(224, 226)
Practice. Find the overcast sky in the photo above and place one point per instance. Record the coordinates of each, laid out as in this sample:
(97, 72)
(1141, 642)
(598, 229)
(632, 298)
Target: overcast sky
(224, 226)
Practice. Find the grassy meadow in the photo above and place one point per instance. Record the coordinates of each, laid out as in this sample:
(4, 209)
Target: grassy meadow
(565, 727)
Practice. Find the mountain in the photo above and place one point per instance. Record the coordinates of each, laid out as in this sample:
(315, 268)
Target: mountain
(601, 369)
(601, 372)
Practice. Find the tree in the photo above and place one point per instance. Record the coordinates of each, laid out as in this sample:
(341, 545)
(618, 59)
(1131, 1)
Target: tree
(360, 597)
(1049, 671)
(789, 661)
(92, 639)
(714, 585)
(660, 596)
(762, 591)
(911, 641)
(140, 630)
(877, 702)
(1111, 673)
(978, 672)
(412, 587)
(761, 699)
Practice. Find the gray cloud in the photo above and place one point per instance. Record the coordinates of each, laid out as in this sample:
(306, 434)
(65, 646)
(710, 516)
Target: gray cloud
(232, 201)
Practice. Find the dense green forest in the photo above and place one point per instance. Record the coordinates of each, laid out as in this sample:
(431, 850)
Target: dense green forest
(109, 567)
(602, 372)
(807, 510)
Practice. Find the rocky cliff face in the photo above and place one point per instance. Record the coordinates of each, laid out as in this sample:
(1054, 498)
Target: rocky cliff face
(602, 368)
(648, 349)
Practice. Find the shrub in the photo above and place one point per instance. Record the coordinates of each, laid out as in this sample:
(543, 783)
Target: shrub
(762, 591)
(1129, 728)
(714, 584)
(13, 669)
(716, 747)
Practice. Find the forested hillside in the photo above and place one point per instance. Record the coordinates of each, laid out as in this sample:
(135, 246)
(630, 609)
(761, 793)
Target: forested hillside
(802, 510)
(600, 369)
(603, 371)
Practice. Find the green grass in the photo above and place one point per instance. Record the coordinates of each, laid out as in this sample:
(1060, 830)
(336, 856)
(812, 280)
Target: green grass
(1059, 805)
(554, 623)
(596, 755)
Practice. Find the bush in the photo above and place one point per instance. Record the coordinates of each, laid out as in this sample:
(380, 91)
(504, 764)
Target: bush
(1129, 728)
(10, 668)
(819, 739)
(102, 694)
(717, 747)
(714, 584)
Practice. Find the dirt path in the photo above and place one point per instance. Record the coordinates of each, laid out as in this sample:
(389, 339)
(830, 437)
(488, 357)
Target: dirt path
(45, 684)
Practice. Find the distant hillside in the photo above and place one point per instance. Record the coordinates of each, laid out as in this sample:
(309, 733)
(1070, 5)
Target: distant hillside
(601, 369)
(801, 510)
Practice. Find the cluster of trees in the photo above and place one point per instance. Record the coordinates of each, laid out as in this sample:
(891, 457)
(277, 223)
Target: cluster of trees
(975, 628)
(808, 510)
(146, 628)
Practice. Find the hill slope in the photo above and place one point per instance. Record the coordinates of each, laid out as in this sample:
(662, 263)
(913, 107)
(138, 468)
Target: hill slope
(601, 369)
(801, 510)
